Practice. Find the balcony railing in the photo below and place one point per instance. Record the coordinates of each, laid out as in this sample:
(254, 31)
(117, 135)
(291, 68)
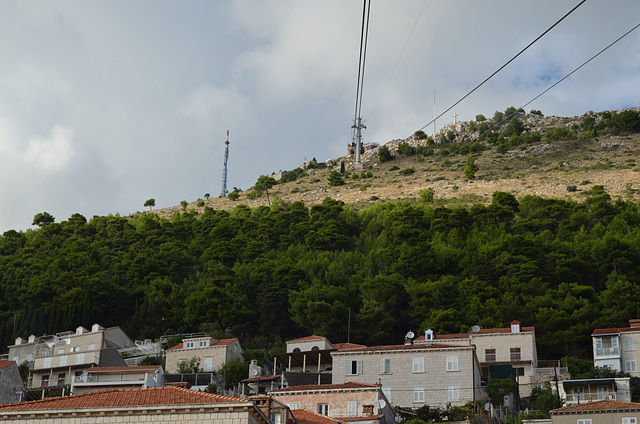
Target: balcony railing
(550, 371)
(108, 378)
(54, 382)
(608, 351)
(590, 397)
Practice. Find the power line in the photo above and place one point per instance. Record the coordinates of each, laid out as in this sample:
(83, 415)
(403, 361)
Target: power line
(364, 35)
(505, 65)
(399, 57)
(506, 118)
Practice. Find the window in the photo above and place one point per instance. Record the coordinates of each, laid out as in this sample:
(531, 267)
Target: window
(63, 361)
(75, 349)
(489, 355)
(352, 408)
(629, 344)
(203, 343)
(207, 365)
(92, 347)
(418, 394)
(515, 354)
(607, 345)
(418, 364)
(16, 359)
(354, 367)
(46, 363)
(452, 363)
(629, 420)
(385, 366)
(80, 358)
(323, 408)
(275, 419)
(294, 405)
(297, 349)
(60, 351)
(515, 328)
(44, 381)
(453, 393)
(507, 402)
(190, 345)
(586, 421)
(603, 392)
(630, 366)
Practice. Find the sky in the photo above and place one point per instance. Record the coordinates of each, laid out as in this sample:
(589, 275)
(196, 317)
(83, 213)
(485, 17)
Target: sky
(107, 103)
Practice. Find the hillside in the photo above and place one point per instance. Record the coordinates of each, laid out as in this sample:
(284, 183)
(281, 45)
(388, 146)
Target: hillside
(544, 168)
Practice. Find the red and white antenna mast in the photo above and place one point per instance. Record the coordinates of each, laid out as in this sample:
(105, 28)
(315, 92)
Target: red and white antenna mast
(224, 172)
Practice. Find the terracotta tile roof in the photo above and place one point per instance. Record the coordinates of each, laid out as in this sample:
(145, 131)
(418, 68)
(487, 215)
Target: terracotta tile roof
(481, 331)
(318, 387)
(303, 339)
(176, 347)
(599, 406)
(263, 378)
(123, 398)
(304, 416)
(5, 364)
(356, 419)
(342, 346)
(614, 330)
(401, 347)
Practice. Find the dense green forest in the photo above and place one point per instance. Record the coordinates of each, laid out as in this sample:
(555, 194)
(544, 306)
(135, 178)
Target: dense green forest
(272, 273)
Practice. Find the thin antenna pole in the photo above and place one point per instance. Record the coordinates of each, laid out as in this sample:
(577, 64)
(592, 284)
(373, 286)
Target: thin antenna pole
(434, 110)
(224, 172)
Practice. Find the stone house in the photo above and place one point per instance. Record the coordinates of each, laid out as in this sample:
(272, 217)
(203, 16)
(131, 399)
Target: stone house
(618, 348)
(165, 404)
(108, 378)
(57, 359)
(413, 375)
(355, 402)
(212, 353)
(497, 350)
(11, 385)
(600, 412)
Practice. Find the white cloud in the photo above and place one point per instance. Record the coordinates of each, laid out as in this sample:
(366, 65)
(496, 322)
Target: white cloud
(51, 154)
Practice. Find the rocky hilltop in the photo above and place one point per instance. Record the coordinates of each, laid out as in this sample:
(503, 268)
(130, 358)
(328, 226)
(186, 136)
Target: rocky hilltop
(561, 157)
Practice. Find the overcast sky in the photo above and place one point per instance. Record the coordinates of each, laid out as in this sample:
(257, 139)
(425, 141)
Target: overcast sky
(107, 103)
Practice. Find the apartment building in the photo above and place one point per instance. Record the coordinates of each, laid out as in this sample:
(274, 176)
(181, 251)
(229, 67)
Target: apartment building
(599, 412)
(497, 350)
(413, 375)
(57, 359)
(589, 390)
(212, 353)
(618, 348)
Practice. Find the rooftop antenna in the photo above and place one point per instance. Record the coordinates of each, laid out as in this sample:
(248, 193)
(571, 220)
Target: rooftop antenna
(357, 120)
(224, 172)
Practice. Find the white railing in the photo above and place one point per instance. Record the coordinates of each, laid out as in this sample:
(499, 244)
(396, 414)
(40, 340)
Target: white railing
(550, 371)
(608, 351)
(590, 397)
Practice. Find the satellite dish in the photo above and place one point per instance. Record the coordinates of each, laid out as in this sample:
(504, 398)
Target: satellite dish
(381, 403)
(475, 328)
(410, 335)
(487, 406)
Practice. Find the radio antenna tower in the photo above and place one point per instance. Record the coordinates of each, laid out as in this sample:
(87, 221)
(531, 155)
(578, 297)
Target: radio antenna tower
(224, 172)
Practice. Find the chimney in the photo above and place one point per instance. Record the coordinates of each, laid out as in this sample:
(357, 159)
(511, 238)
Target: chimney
(634, 323)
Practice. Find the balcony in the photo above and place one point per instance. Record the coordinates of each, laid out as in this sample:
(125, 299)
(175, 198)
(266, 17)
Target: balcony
(589, 397)
(608, 351)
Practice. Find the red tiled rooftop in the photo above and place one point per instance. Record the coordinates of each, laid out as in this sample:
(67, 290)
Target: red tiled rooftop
(5, 364)
(304, 416)
(481, 331)
(342, 346)
(601, 405)
(317, 387)
(356, 419)
(123, 398)
(614, 330)
(304, 339)
(401, 347)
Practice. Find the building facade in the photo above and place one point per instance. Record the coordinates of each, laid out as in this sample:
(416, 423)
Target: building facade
(618, 348)
(498, 348)
(413, 375)
(166, 404)
(211, 353)
(11, 385)
(599, 412)
(350, 401)
(57, 359)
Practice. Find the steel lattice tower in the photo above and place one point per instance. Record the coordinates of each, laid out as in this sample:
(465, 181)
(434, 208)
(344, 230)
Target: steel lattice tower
(224, 172)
